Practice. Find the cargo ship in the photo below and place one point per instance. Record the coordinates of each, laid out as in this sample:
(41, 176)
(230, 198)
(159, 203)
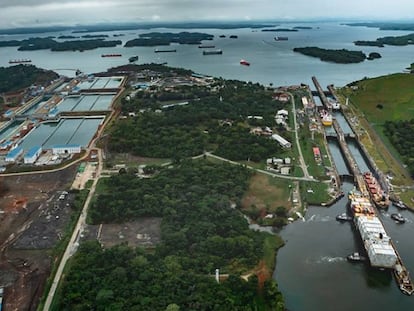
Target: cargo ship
(213, 52)
(20, 61)
(111, 55)
(378, 196)
(204, 46)
(377, 243)
(164, 51)
(281, 38)
(326, 118)
(244, 62)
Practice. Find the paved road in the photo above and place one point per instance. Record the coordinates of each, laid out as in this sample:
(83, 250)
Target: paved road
(301, 160)
(74, 240)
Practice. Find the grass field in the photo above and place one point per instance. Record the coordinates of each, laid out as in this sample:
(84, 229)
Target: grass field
(268, 193)
(387, 98)
(395, 93)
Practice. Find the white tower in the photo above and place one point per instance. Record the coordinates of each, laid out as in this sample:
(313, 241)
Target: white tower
(218, 275)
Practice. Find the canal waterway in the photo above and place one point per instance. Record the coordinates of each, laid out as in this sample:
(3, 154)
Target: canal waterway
(86, 103)
(312, 270)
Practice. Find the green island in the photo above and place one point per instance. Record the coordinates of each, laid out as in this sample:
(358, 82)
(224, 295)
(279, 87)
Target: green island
(381, 42)
(342, 56)
(384, 25)
(33, 44)
(166, 38)
(281, 30)
(374, 55)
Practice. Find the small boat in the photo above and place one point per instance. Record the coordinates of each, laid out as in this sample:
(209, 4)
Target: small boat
(233, 37)
(222, 36)
(133, 59)
(165, 51)
(355, 257)
(343, 217)
(326, 118)
(111, 55)
(400, 204)
(244, 62)
(398, 218)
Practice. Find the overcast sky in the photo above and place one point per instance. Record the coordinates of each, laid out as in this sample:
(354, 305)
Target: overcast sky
(16, 13)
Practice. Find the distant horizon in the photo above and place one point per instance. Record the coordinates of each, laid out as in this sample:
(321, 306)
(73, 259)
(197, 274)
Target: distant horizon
(154, 24)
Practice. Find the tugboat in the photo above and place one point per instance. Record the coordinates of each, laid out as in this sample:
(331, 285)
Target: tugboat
(133, 59)
(355, 257)
(400, 204)
(343, 217)
(398, 218)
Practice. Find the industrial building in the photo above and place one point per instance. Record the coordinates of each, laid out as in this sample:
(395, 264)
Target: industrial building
(32, 155)
(66, 149)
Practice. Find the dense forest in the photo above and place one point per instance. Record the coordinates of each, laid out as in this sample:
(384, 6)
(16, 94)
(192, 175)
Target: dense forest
(210, 122)
(400, 133)
(17, 77)
(200, 232)
(336, 56)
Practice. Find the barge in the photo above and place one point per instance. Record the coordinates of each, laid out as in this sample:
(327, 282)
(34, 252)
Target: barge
(213, 52)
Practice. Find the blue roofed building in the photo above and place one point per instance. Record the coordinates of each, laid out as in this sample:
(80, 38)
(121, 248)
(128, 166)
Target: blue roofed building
(32, 155)
(14, 154)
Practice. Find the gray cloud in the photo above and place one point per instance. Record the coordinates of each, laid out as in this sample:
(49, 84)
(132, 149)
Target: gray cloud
(27, 12)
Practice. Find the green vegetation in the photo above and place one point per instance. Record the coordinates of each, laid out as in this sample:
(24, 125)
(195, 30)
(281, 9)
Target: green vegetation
(314, 193)
(33, 44)
(374, 55)
(336, 56)
(214, 121)
(158, 38)
(17, 77)
(385, 25)
(400, 133)
(380, 42)
(374, 102)
(200, 232)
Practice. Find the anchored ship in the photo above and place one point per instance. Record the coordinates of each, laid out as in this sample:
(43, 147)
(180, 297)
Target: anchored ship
(111, 55)
(244, 62)
(281, 38)
(326, 118)
(164, 51)
(19, 61)
(378, 196)
(205, 46)
(133, 59)
(213, 52)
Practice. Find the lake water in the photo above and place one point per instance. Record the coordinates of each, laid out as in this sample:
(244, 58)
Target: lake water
(271, 61)
(311, 268)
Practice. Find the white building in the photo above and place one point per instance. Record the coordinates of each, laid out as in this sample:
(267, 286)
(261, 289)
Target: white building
(66, 149)
(32, 155)
(283, 142)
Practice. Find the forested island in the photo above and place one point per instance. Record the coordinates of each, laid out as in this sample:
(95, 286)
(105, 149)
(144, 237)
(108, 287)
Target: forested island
(342, 56)
(280, 30)
(166, 38)
(381, 42)
(33, 44)
(385, 25)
